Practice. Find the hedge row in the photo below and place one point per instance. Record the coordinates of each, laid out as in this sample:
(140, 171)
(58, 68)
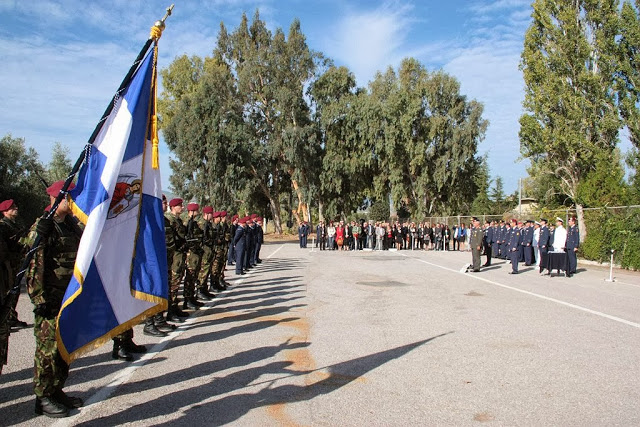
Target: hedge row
(617, 229)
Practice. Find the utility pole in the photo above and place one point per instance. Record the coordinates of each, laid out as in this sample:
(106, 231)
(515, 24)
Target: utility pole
(520, 197)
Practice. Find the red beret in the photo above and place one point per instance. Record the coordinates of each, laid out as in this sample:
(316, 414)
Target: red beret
(223, 213)
(259, 219)
(242, 221)
(254, 216)
(233, 218)
(54, 189)
(193, 207)
(175, 202)
(6, 205)
(207, 209)
(216, 214)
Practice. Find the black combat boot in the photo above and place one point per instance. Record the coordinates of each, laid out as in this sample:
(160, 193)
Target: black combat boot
(133, 347)
(151, 330)
(161, 323)
(51, 408)
(120, 352)
(204, 295)
(68, 401)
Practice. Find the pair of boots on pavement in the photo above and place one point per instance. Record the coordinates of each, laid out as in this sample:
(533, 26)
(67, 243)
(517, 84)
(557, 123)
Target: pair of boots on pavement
(57, 405)
(123, 349)
(157, 326)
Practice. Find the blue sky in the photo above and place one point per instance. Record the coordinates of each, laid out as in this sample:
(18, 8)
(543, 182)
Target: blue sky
(62, 60)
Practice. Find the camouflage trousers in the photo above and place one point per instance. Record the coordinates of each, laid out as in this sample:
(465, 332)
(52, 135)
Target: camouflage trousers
(205, 267)
(50, 371)
(219, 262)
(194, 260)
(177, 271)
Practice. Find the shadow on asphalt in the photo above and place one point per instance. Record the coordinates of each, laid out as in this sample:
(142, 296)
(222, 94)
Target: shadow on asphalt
(230, 408)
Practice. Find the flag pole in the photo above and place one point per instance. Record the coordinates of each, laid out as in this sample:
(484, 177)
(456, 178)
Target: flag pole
(156, 33)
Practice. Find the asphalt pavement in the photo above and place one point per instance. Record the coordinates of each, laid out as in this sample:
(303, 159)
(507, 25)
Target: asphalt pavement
(382, 338)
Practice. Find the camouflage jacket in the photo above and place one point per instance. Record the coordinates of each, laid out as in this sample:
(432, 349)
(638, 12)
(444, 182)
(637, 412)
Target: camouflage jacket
(179, 232)
(51, 267)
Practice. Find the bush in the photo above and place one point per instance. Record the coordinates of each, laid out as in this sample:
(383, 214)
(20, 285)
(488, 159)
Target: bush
(617, 229)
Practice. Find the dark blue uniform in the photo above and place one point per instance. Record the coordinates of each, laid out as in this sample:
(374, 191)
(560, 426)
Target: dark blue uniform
(239, 243)
(250, 245)
(504, 246)
(543, 245)
(515, 240)
(259, 242)
(527, 242)
(488, 243)
(573, 242)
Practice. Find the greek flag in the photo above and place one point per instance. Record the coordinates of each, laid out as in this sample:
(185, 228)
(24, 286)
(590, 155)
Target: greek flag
(120, 274)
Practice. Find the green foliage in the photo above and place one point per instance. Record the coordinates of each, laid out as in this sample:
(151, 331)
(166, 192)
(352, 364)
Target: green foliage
(604, 185)
(569, 63)
(18, 178)
(379, 211)
(616, 229)
(60, 165)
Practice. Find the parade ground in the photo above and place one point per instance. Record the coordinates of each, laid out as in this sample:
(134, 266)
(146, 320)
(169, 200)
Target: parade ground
(383, 338)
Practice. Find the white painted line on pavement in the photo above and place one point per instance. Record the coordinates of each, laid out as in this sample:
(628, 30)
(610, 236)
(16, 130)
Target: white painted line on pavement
(125, 374)
(557, 301)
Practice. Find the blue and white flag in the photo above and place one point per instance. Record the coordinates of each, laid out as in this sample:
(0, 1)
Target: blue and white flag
(120, 274)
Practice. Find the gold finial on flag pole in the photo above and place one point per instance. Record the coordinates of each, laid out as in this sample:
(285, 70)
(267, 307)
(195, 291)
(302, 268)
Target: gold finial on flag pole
(158, 26)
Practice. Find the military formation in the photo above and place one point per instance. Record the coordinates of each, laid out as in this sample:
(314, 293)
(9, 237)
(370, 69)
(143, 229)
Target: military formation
(200, 244)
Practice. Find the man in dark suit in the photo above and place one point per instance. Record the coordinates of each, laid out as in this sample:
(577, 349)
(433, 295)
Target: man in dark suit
(572, 245)
(488, 242)
(515, 240)
(543, 245)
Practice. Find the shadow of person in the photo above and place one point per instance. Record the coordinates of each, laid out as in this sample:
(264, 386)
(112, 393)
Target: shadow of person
(200, 405)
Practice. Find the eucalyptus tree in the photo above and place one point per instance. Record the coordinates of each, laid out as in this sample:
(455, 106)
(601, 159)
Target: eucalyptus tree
(571, 116)
(271, 72)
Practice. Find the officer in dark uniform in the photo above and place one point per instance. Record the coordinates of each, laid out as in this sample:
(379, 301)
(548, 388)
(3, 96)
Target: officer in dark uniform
(48, 276)
(249, 244)
(231, 255)
(506, 235)
(495, 246)
(488, 242)
(515, 241)
(572, 244)
(527, 242)
(543, 245)
(259, 239)
(239, 244)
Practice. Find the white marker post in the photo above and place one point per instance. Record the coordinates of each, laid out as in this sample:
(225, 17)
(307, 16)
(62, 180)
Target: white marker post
(611, 279)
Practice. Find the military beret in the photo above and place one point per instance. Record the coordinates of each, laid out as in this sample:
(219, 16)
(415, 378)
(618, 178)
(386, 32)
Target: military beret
(233, 218)
(175, 202)
(6, 205)
(223, 213)
(193, 207)
(514, 220)
(54, 189)
(259, 219)
(254, 216)
(216, 214)
(207, 209)
(242, 221)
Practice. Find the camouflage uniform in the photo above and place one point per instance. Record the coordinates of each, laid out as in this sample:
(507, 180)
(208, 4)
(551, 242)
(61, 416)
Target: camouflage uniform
(179, 232)
(218, 255)
(228, 236)
(207, 253)
(11, 232)
(47, 278)
(194, 258)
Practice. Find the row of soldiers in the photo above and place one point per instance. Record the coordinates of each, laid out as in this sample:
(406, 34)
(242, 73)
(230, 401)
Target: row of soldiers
(196, 253)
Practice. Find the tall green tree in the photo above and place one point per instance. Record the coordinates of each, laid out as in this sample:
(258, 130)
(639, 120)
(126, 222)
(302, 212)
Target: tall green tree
(19, 168)
(482, 204)
(427, 142)
(60, 165)
(571, 117)
(271, 72)
(628, 70)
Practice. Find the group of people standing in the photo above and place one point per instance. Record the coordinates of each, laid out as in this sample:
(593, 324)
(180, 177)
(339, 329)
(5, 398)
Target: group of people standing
(199, 245)
(383, 236)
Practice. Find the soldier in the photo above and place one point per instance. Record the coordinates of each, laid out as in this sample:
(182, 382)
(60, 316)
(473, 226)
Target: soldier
(11, 231)
(321, 235)
(178, 265)
(249, 244)
(239, 244)
(228, 237)
(194, 258)
(260, 239)
(514, 244)
(219, 244)
(527, 243)
(49, 273)
(572, 245)
(475, 242)
(207, 253)
(487, 241)
(170, 240)
(231, 254)
(495, 246)
(506, 235)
